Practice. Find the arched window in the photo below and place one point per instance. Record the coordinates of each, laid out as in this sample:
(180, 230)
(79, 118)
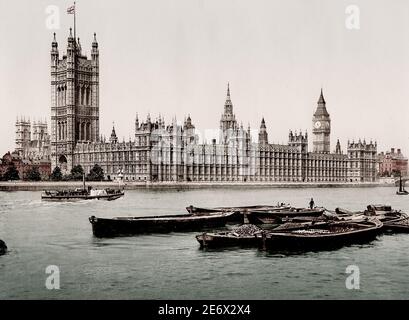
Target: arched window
(88, 96)
(82, 95)
(65, 95)
(81, 131)
(58, 97)
(84, 135)
(88, 131)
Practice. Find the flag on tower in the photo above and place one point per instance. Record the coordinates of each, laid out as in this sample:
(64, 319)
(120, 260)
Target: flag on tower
(71, 10)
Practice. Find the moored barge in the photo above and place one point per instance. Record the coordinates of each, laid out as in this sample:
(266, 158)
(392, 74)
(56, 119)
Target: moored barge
(105, 227)
(273, 216)
(329, 235)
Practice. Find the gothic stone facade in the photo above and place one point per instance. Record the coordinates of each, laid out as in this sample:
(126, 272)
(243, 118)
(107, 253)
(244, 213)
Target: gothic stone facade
(173, 152)
(32, 140)
(74, 101)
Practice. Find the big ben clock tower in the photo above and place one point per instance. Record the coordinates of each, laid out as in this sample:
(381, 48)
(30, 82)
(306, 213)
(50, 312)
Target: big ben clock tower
(321, 127)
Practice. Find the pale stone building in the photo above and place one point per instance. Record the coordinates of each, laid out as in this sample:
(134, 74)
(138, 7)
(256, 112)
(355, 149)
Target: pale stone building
(32, 140)
(173, 152)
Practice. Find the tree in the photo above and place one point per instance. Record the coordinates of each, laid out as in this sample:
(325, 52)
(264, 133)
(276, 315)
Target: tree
(56, 175)
(11, 173)
(77, 172)
(96, 173)
(396, 173)
(34, 174)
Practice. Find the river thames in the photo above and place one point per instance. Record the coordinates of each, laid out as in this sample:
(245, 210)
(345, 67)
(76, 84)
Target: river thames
(172, 266)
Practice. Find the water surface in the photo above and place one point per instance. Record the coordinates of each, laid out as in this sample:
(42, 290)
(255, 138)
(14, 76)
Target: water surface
(171, 266)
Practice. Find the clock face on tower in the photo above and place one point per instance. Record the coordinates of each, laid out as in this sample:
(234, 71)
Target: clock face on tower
(317, 125)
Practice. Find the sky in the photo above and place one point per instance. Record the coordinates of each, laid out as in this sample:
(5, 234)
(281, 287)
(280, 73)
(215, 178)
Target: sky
(175, 57)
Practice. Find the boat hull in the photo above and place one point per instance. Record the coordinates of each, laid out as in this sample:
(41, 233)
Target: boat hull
(103, 227)
(211, 240)
(274, 217)
(399, 225)
(239, 212)
(108, 197)
(289, 240)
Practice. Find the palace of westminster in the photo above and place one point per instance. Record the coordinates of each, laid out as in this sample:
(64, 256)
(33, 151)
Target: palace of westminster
(172, 152)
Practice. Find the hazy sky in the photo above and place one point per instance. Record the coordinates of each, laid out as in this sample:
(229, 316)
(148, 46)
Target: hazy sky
(175, 57)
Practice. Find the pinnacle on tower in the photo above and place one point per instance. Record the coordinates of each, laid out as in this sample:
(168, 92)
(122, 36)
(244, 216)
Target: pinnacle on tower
(228, 99)
(263, 123)
(321, 100)
(321, 109)
(54, 45)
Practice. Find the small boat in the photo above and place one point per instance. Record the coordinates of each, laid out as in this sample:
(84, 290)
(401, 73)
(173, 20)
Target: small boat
(242, 236)
(81, 194)
(401, 190)
(3, 247)
(326, 235)
(105, 227)
(277, 215)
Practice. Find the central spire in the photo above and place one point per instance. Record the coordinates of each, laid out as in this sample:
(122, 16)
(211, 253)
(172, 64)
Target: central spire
(228, 90)
(228, 105)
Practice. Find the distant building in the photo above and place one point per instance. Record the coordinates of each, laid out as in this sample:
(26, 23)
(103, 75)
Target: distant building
(32, 140)
(362, 161)
(392, 163)
(163, 152)
(24, 166)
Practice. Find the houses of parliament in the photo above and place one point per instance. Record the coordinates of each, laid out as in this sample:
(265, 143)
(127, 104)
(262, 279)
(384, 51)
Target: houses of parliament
(172, 152)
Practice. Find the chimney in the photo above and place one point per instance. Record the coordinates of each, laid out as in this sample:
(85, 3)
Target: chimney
(392, 150)
(398, 151)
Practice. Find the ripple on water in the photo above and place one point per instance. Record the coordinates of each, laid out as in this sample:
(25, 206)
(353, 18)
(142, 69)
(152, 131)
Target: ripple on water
(173, 266)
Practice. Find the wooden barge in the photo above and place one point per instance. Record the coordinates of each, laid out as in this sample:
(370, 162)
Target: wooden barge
(104, 227)
(276, 216)
(330, 235)
(193, 209)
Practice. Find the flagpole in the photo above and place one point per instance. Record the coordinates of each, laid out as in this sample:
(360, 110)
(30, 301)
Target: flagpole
(75, 34)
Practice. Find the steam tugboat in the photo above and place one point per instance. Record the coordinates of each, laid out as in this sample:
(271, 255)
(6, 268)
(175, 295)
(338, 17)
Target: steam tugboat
(83, 193)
